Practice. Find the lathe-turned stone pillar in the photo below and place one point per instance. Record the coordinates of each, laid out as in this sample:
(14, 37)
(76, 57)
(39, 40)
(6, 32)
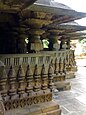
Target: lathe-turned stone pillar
(54, 44)
(63, 45)
(35, 22)
(35, 43)
(7, 39)
(12, 39)
(22, 35)
(68, 43)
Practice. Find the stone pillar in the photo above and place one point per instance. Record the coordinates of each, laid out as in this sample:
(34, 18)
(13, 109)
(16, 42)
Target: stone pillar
(53, 40)
(63, 45)
(68, 43)
(7, 39)
(35, 43)
(36, 21)
(22, 35)
(12, 39)
(35, 32)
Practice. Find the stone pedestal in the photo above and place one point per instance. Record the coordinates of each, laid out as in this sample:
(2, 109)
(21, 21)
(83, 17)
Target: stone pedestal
(63, 85)
(70, 75)
(47, 108)
(60, 83)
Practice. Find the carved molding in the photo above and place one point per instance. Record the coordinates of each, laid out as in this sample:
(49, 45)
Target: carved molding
(19, 103)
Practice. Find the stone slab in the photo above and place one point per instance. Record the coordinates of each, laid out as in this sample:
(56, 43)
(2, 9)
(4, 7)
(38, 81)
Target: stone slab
(47, 108)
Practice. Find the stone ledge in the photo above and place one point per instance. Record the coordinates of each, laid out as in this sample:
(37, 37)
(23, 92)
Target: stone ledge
(47, 108)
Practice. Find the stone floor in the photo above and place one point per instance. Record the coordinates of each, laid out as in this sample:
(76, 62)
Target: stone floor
(73, 102)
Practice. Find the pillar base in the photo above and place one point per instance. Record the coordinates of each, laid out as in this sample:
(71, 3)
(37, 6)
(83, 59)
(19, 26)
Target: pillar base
(47, 108)
(74, 68)
(71, 72)
(70, 75)
(62, 85)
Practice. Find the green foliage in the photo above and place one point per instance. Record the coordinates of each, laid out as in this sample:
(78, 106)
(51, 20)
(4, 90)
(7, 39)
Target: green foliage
(82, 40)
(45, 43)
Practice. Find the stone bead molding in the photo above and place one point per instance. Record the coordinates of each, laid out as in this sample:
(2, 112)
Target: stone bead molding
(28, 101)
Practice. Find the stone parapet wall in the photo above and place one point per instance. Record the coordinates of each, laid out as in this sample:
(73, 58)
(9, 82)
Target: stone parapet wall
(62, 60)
(44, 57)
(28, 79)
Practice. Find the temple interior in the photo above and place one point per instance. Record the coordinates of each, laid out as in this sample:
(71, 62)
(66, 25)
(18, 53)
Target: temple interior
(36, 59)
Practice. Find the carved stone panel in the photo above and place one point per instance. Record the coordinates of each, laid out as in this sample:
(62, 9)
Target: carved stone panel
(2, 110)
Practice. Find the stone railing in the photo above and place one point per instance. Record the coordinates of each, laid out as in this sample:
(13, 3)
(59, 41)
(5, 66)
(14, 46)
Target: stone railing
(38, 58)
(62, 61)
(27, 79)
(25, 59)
